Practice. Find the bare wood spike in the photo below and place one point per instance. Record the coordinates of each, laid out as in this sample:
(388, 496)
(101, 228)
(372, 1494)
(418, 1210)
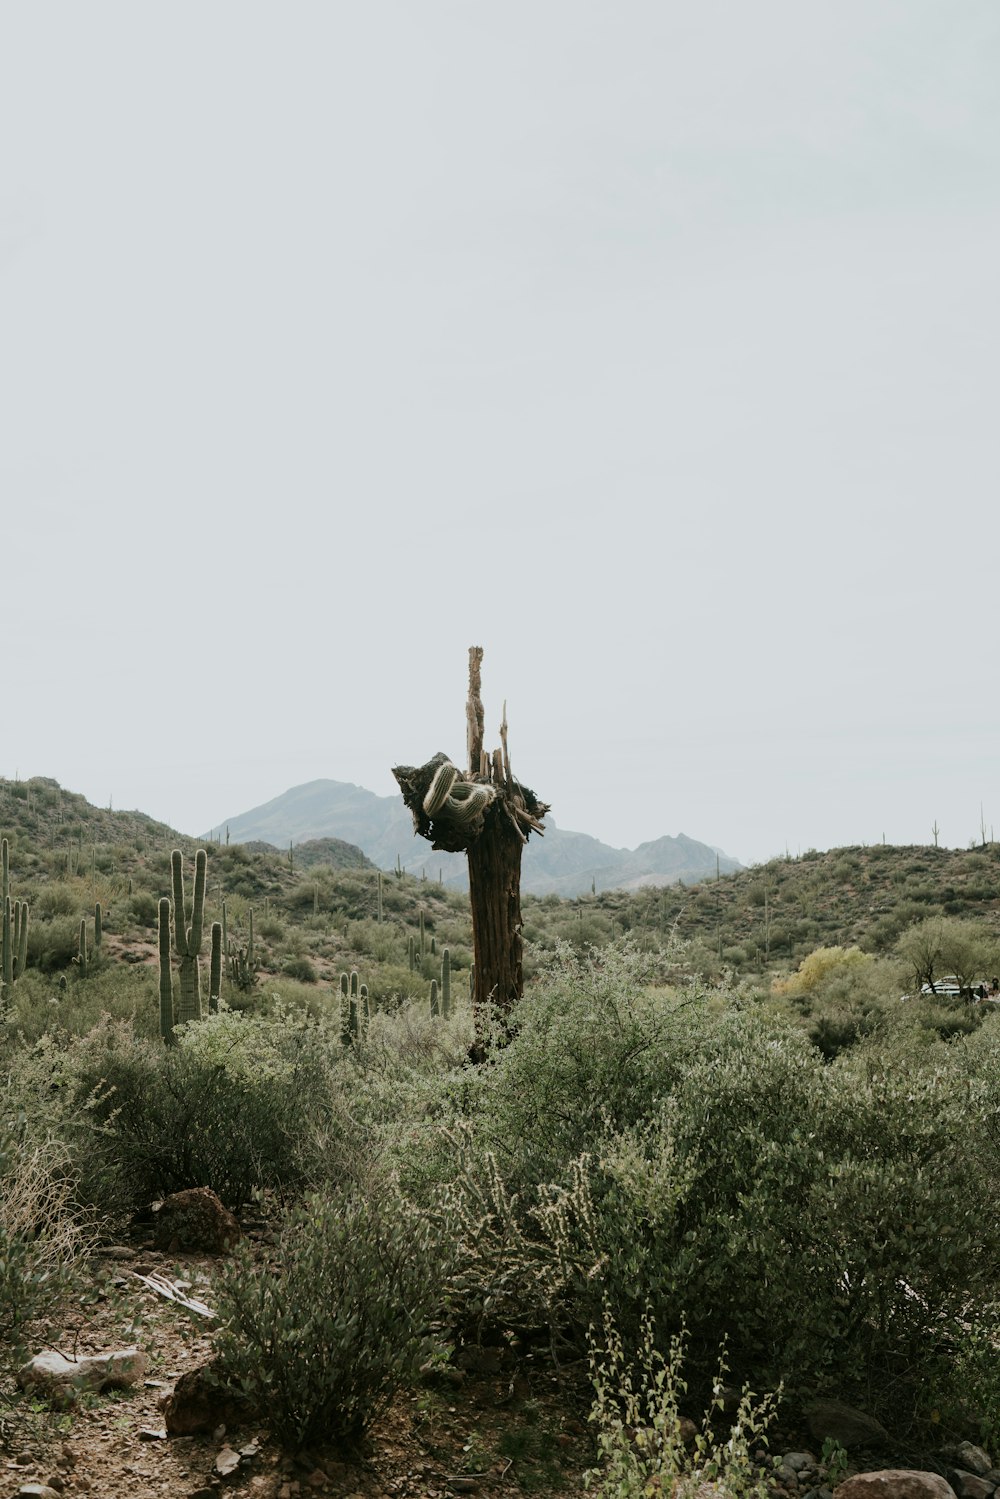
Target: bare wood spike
(475, 719)
(503, 744)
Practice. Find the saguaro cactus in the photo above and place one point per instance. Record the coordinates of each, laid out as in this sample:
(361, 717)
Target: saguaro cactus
(446, 983)
(187, 941)
(215, 971)
(166, 984)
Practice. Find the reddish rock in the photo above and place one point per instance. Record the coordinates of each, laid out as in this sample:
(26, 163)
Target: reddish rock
(195, 1220)
(200, 1402)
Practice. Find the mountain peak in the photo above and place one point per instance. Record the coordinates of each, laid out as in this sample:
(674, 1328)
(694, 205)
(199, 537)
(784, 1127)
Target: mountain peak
(563, 863)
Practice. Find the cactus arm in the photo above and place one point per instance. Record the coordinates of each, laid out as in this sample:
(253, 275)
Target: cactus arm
(440, 788)
(177, 880)
(198, 913)
(215, 971)
(20, 938)
(8, 946)
(166, 988)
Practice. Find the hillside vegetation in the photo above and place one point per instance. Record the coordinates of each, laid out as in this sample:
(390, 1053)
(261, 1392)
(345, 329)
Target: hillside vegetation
(715, 1131)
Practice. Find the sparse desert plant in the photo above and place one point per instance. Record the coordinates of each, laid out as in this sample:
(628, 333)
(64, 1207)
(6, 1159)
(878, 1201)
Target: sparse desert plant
(43, 1235)
(323, 1335)
(641, 1436)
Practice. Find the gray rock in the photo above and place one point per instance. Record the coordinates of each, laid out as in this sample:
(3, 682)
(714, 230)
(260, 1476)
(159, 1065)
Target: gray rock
(894, 1483)
(973, 1459)
(36, 1491)
(798, 1460)
(52, 1375)
(843, 1423)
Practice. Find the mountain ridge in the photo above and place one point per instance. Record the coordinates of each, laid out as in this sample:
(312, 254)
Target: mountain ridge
(563, 863)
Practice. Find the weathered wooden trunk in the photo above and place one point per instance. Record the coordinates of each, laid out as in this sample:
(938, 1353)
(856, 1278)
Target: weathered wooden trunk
(487, 814)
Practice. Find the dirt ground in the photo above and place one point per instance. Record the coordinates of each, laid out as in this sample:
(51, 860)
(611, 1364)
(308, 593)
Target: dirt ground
(477, 1431)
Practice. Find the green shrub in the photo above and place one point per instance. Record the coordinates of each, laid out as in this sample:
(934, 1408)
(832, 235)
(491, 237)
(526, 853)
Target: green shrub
(143, 908)
(234, 1107)
(53, 944)
(322, 1337)
(596, 1049)
(830, 1220)
(300, 968)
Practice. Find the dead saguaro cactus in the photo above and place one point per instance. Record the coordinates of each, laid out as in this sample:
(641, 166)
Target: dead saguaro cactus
(486, 814)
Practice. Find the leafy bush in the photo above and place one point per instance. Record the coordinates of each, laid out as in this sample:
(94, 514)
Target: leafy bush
(300, 968)
(830, 1219)
(596, 1049)
(324, 1335)
(53, 944)
(234, 1107)
(816, 970)
(143, 908)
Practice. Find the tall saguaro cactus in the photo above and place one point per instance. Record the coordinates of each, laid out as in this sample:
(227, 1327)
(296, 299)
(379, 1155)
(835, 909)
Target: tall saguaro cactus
(187, 945)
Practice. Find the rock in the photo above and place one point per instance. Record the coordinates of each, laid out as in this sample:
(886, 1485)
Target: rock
(798, 1460)
(195, 1220)
(894, 1483)
(53, 1376)
(227, 1461)
(36, 1491)
(843, 1423)
(200, 1401)
(969, 1485)
(973, 1459)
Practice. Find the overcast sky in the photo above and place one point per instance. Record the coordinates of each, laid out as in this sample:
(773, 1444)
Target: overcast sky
(652, 346)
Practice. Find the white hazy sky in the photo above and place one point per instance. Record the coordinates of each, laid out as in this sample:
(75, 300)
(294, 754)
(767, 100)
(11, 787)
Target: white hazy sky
(652, 346)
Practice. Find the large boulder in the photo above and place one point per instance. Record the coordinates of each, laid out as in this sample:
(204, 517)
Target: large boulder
(195, 1220)
(55, 1377)
(895, 1483)
(844, 1424)
(200, 1401)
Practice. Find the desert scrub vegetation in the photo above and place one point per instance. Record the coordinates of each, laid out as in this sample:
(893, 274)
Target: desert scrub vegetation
(773, 1154)
(322, 1337)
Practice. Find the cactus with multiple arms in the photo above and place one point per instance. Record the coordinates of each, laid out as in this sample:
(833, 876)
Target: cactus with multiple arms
(187, 945)
(187, 939)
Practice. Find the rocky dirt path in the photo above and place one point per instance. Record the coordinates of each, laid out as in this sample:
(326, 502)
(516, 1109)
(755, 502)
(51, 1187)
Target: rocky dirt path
(483, 1431)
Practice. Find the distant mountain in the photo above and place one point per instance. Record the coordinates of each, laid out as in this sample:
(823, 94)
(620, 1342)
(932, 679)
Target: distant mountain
(561, 863)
